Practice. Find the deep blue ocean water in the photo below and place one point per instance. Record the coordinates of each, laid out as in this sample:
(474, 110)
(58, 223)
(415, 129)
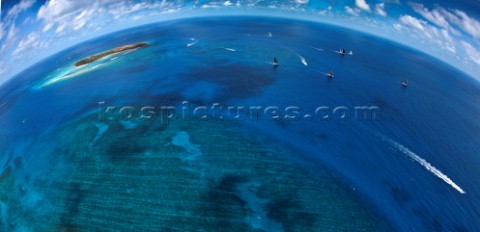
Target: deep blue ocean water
(415, 166)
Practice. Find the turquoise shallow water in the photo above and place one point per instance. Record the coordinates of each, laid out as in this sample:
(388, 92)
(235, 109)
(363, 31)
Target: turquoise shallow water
(413, 168)
(184, 176)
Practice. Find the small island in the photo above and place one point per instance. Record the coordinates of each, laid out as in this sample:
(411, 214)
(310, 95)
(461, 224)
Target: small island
(110, 52)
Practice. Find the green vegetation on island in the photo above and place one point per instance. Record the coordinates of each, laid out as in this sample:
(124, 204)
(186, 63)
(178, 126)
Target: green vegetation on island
(110, 52)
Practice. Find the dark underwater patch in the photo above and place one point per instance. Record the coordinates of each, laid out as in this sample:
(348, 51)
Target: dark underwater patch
(5, 174)
(18, 162)
(244, 179)
(230, 182)
(401, 196)
(281, 211)
(235, 80)
(123, 149)
(284, 124)
(385, 106)
(460, 228)
(378, 101)
(428, 220)
(10, 157)
(137, 69)
(73, 200)
(225, 205)
(317, 136)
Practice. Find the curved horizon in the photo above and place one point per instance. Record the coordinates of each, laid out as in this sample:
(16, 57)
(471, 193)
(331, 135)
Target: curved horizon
(456, 46)
(403, 152)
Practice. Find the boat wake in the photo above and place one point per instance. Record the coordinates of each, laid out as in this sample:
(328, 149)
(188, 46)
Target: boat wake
(303, 60)
(318, 71)
(424, 163)
(230, 49)
(193, 43)
(318, 49)
(343, 53)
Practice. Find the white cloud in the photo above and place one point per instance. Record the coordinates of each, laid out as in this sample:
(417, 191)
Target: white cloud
(61, 27)
(8, 29)
(472, 53)
(466, 23)
(326, 11)
(302, 1)
(413, 22)
(47, 26)
(64, 16)
(80, 20)
(397, 26)
(60, 12)
(439, 36)
(17, 9)
(30, 42)
(352, 11)
(122, 9)
(449, 18)
(65, 19)
(2, 31)
(380, 9)
(436, 16)
(12, 33)
(362, 4)
(210, 6)
(4, 46)
(2, 69)
(59, 8)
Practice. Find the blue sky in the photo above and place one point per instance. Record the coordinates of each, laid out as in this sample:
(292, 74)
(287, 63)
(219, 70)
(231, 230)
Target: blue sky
(32, 30)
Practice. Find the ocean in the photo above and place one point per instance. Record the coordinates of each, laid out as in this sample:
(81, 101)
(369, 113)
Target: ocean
(412, 166)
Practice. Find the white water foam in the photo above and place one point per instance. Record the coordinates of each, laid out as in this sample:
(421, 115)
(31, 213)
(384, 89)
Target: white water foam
(326, 74)
(318, 49)
(304, 61)
(338, 52)
(192, 43)
(425, 164)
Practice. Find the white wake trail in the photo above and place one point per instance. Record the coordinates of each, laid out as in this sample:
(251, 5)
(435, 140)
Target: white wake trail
(320, 72)
(425, 164)
(303, 60)
(192, 43)
(318, 49)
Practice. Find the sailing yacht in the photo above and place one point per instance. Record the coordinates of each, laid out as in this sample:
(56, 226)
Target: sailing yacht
(330, 74)
(275, 62)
